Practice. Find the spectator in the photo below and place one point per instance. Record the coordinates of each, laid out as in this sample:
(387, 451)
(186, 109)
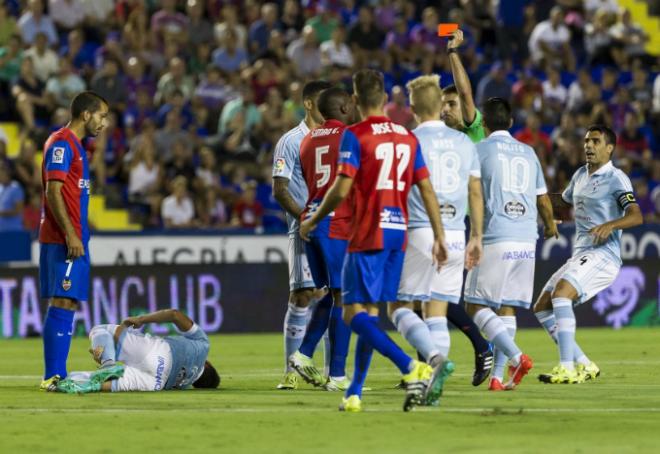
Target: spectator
(549, 42)
(168, 23)
(145, 176)
(511, 28)
(533, 136)
(32, 102)
(632, 143)
(305, 54)
(366, 40)
(178, 104)
(398, 42)
(425, 37)
(34, 21)
(608, 83)
(230, 58)
(591, 7)
(260, 29)
(79, 51)
(111, 145)
(177, 209)
(62, 87)
(97, 12)
(292, 21)
(243, 105)
(274, 217)
(175, 79)
(67, 14)
(577, 89)
(639, 88)
(200, 30)
(32, 213)
(7, 25)
(397, 110)
(11, 201)
(656, 96)
(275, 120)
(336, 51)
(386, 13)
(207, 173)
(598, 42)
(631, 36)
(554, 96)
(213, 91)
(45, 61)
(109, 83)
(494, 84)
(10, 60)
(170, 133)
(138, 111)
(213, 212)
(323, 23)
(179, 163)
(26, 170)
(294, 104)
(248, 212)
(527, 93)
(230, 22)
(137, 79)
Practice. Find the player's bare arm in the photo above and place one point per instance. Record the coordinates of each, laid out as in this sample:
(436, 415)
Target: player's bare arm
(178, 318)
(474, 247)
(335, 195)
(559, 205)
(632, 217)
(57, 206)
(283, 197)
(544, 206)
(461, 79)
(433, 209)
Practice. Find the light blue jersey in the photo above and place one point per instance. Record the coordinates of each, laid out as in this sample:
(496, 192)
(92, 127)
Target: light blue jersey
(598, 198)
(286, 164)
(451, 158)
(512, 178)
(189, 353)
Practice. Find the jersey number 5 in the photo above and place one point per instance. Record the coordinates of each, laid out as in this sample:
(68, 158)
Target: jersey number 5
(322, 170)
(385, 153)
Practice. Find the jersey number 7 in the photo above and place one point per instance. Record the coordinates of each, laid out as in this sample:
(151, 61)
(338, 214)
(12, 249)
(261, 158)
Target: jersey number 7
(385, 153)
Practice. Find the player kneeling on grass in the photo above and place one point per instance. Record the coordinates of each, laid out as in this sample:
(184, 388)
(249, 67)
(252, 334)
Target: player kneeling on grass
(149, 363)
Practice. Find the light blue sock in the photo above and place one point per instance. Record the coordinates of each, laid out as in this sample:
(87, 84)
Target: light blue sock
(415, 331)
(549, 323)
(563, 311)
(494, 330)
(101, 337)
(440, 334)
(500, 358)
(295, 324)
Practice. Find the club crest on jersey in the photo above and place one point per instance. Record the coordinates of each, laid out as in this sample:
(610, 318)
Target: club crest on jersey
(280, 163)
(514, 209)
(58, 155)
(66, 284)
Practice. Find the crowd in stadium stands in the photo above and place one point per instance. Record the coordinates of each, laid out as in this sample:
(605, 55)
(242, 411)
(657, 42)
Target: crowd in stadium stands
(201, 90)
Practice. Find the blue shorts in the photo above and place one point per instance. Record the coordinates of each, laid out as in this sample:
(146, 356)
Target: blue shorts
(60, 277)
(372, 277)
(326, 259)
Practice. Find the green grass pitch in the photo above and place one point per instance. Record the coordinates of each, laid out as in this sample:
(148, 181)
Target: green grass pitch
(620, 412)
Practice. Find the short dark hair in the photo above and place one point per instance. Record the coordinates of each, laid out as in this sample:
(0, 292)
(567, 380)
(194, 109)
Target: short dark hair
(450, 90)
(610, 136)
(313, 88)
(497, 114)
(331, 100)
(87, 101)
(369, 87)
(209, 378)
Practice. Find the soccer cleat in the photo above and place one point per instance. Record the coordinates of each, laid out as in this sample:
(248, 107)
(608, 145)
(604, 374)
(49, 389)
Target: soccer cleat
(289, 382)
(516, 373)
(588, 372)
(50, 385)
(69, 386)
(495, 385)
(337, 384)
(304, 365)
(417, 382)
(483, 364)
(561, 375)
(108, 372)
(351, 404)
(440, 374)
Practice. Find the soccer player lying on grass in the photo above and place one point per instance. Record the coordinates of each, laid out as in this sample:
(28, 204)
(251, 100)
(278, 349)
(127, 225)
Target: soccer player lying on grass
(150, 363)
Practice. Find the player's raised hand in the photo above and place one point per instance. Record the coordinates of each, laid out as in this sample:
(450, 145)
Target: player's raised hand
(551, 231)
(601, 232)
(439, 253)
(456, 40)
(473, 252)
(74, 246)
(306, 228)
(133, 322)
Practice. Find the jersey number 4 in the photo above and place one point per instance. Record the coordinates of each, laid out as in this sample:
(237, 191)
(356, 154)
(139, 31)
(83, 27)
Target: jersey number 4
(385, 153)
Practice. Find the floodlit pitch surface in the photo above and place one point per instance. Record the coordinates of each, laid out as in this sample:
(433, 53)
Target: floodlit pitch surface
(620, 412)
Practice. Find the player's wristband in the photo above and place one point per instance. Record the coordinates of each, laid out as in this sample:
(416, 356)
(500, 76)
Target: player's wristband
(453, 50)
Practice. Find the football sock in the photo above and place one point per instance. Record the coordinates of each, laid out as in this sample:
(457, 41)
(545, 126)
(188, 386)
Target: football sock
(547, 320)
(363, 325)
(327, 353)
(563, 310)
(340, 339)
(295, 323)
(500, 358)
(495, 330)
(415, 331)
(459, 318)
(439, 334)
(420, 314)
(363, 354)
(57, 332)
(318, 324)
(101, 337)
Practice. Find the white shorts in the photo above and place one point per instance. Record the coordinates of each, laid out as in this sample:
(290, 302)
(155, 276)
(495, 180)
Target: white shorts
(589, 273)
(147, 360)
(505, 276)
(300, 275)
(419, 279)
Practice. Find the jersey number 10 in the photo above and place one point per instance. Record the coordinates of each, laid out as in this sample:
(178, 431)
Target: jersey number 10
(385, 153)
(515, 174)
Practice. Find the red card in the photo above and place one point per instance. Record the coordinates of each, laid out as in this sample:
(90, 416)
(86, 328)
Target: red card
(447, 29)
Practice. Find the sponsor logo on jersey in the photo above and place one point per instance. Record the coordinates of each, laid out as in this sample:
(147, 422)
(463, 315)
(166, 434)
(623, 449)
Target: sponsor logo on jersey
(84, 183)
(159, 374)
(280, 163)
(58, 155)
(392, 218)
(447, 211)
(514, 209)
(519, 255)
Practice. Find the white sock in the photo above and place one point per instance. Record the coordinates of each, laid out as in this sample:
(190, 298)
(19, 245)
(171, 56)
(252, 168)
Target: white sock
(495, 330)
(439, 334)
